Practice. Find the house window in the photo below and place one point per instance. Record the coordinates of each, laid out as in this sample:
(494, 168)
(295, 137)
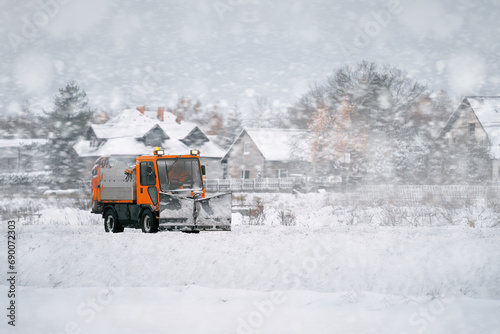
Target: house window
(245, 174)
(224, 171)
(281, 173)
(472, 129)
(246, 148)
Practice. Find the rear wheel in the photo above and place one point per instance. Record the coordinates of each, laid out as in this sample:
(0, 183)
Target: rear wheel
(148, 222)
(111, 223)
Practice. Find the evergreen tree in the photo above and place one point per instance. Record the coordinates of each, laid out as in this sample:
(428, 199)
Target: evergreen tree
(410, 157)
(66, 122)
(71, 113)
(231, 128)
(234, 123)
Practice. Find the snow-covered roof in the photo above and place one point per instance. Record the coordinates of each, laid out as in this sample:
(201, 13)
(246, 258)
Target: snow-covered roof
(121, 134)
(131, 146)
(21, 142)
(278, 144)
(210, 150)
(180, 131)
(131, 122)
(127, 146)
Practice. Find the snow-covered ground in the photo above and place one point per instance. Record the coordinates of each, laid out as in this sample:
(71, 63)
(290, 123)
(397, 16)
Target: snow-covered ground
(330, 273)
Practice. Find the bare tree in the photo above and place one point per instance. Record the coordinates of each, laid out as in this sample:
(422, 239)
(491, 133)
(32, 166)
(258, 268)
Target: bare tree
(373, 100)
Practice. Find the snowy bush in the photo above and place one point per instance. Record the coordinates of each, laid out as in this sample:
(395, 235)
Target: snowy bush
(13, 208)
(48, 211)
(287, 218)
(33, 178)
(239, 199)
(331, 209)
(257, 215)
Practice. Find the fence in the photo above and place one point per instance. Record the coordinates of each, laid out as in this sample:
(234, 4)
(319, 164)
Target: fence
(265, 184)
(397, 194)
(423, 193)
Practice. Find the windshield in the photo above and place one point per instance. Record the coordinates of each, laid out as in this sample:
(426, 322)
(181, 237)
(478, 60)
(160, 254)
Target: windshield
(179, 173)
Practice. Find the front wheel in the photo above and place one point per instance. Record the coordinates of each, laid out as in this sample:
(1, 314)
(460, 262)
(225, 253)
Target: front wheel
(111, 223)
(148, 222)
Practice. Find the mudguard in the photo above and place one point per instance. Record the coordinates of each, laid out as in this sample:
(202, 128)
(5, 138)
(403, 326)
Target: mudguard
(189, 214)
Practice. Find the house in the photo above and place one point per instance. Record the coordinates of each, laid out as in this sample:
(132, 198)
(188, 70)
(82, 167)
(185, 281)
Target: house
(267, 153)
(16, 154)
(137, 132)
(477, 119)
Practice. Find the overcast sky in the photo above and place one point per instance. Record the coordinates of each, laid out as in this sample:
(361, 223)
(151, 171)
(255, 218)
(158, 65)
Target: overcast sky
(150, 52)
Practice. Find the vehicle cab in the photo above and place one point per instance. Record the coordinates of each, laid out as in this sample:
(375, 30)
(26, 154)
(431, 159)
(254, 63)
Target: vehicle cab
(174, 174)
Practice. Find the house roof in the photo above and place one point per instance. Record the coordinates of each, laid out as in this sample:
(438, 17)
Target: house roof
(210, 150)
(131, 122)
(127, 123)
(122, 131)
(131, 146)
(126, 146)
(277, 144)
(487, 111)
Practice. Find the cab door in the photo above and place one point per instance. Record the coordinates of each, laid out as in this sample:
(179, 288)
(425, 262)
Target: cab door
(147, 192)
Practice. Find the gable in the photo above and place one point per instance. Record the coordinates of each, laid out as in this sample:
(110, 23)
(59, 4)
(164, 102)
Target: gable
(477, 118)
(195, 138)
(155, 136)
(238, 146)
(466, 126)
(455, 116)
(468, 113)
(274, 144)
(487, 111)
(466, 116)
(90, 133)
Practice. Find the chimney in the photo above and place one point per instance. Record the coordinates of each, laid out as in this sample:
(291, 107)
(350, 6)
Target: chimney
(141, 109)
(161, 111)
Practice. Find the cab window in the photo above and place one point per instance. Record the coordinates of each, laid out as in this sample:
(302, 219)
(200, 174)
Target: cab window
(176, 174)
(148, 176)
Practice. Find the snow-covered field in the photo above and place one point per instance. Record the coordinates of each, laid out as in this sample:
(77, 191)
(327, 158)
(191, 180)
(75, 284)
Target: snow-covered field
(338, 269)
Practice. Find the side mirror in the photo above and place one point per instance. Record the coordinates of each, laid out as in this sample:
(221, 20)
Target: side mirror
(203, 169)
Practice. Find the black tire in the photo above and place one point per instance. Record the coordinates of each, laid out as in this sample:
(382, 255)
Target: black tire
(149, 224)
(111, 223)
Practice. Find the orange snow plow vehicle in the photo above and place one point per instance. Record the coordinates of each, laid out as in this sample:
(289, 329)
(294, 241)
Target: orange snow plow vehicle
(160, 192)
